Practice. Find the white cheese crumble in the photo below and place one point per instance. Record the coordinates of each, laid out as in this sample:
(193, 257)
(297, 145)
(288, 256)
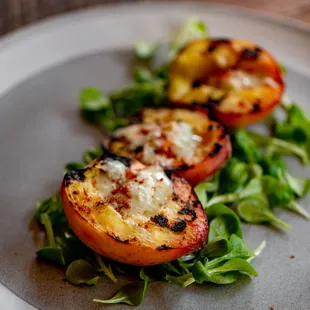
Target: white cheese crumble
(148, 153)
(139, 197)
(178, 136)
(151, 192)
(242, 79)
(134, 135)
(115, 169)
(183, 140)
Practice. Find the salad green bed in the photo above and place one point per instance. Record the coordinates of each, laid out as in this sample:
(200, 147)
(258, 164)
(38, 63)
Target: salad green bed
(243, 190)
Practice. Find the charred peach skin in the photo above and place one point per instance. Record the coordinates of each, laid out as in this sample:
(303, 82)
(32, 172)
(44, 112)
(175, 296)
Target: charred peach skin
(197, 173)
(184, 140)
(241, 82)
(133, 214)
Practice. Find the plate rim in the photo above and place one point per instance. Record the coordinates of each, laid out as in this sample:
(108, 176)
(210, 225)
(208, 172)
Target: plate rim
(22, 33)
(8, 40)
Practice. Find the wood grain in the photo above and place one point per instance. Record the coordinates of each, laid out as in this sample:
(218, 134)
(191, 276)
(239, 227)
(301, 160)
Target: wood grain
(17, 13)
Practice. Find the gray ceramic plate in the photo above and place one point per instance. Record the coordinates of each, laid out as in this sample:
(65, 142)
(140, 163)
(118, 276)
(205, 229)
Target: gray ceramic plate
(42, 69)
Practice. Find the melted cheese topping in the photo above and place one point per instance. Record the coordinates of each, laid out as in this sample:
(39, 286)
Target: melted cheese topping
(150, 191)
(138, 196)
(184, 141)
(115, 169)
(241, 79)
(161, 144)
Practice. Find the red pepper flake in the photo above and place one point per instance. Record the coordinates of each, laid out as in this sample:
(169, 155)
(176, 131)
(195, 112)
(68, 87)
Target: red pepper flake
(144, 131)
(160, 180)
(241, 104)
(272, 307)
(141, 181)
(130, 174)
(115, 191)
(120, 202)
(124, 189)
(118, 209)
(165, 150)
(84, 209)
(126, 205)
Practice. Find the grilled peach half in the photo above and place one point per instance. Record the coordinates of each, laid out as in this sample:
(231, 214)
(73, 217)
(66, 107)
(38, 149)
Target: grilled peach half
(176, 138)
(131, 213)
(239, 80)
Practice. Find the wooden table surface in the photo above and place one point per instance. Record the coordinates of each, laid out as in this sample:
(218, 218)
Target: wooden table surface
(17, 13)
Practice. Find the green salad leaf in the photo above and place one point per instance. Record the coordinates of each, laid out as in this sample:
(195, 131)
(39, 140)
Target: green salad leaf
(208, 187)
(244, 147)
(93, 99)
(280, 146)
(225, 269)
(216, 247)
(88, 156)
(81, 271)
(131, 294)
(224, 278)
(295, 127)
(283, 68)
(106, 269)
(233, 176)
(299, 186)
(272, 165)
(73, 166)
(91, 154)
(236, 264)
(143, 75)
(239, 249)
(96, 107)
(184, 280)
(52, 251)
(131, 100)
(193, 29)
(50, 210)
(295, 207)
(218, 227)
(144, 49)
(226, 221)
(263, 186)
(255, 210)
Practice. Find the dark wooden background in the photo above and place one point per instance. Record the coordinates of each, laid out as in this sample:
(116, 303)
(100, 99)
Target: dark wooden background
(17, 13)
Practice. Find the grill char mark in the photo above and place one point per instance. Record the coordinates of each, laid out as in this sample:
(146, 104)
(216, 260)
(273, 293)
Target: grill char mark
(216, 43)
(178, 226)
(120, 240)
(188, 211)
(126, 161)
(251, 54)
(216, 149)
(163, 247)
(161, 220)
(77, 175)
